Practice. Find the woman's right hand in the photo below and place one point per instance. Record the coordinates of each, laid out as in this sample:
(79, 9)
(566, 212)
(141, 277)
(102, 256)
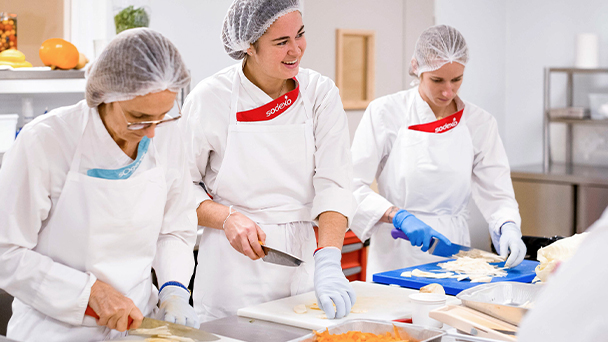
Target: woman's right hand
(245, 235)
(113, 308)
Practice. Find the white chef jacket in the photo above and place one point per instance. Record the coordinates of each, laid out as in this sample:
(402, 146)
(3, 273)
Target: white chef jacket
(32, 176)
(572, 305)
(492, 189)
(207, 113)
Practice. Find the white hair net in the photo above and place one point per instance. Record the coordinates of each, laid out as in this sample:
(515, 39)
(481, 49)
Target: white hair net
(437, 46)
(137, 62)
(247, 20)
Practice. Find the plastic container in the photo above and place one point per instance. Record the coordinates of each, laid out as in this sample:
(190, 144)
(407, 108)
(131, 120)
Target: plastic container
(27, 110)
(8, 127)
(409, 332)
(422, 304)
(505, 300)
(130, 14)
(598, 104)
(8, 31)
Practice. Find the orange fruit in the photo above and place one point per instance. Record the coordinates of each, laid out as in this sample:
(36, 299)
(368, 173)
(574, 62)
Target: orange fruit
(58, 53)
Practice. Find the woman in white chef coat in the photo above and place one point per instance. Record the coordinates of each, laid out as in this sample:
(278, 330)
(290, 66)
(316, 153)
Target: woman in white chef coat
(572, 304)
(429, 150)
(270, 143)
(97, 194)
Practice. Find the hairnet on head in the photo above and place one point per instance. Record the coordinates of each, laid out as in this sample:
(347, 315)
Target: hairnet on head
(137, 62)
(437, 46)
(247, 20)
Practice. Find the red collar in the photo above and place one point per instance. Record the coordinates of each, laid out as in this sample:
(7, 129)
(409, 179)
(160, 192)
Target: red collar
(272, 109)
(440, 126)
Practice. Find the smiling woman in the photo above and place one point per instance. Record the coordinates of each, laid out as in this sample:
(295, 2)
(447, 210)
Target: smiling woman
(270, 141)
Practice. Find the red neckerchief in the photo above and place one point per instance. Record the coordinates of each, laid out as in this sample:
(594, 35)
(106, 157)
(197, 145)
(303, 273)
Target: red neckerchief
(272, 109)
(440, 126)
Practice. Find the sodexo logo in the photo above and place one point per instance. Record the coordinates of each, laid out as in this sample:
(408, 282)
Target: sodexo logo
(279, 106)
(447, 126)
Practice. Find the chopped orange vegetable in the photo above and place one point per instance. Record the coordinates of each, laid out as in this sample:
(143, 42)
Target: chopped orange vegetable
(358, 336)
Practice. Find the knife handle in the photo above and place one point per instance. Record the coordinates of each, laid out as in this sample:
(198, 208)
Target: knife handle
(89, 312)
(399, 234)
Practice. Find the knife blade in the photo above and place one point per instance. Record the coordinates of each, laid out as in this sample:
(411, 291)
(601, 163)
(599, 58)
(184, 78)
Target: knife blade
(438, 247)
(174, 328)
(278, 257)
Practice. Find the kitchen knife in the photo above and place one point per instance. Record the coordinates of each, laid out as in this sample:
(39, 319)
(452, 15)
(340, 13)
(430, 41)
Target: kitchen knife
(175, 329)
(275, 256)
(438, 247)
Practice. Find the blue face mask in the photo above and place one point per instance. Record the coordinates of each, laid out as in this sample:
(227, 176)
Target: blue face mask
(123, 172)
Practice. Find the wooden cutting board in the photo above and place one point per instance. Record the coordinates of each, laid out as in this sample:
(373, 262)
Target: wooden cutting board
(374, 301)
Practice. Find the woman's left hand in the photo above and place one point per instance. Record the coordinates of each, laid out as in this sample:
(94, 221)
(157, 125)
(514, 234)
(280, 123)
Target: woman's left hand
(510, 241)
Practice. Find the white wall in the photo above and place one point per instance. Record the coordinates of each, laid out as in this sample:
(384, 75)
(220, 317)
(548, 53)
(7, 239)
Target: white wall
(511, 42)
(541, 34)
(418, 16)
(194, 26)
(323, 17)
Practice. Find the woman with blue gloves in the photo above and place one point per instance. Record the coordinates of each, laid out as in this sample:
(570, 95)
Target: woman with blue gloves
(97, 194)
(430, 152)
(270, 142)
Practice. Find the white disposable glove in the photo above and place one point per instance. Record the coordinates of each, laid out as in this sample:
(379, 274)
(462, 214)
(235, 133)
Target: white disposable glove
(331, 286)
(510, 241)
(175, 306)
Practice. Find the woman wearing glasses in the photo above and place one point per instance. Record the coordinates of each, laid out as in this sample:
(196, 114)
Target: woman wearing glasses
(95, 195)
(270, 141)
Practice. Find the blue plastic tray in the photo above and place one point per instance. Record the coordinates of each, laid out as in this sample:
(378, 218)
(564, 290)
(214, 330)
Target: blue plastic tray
(523, 273)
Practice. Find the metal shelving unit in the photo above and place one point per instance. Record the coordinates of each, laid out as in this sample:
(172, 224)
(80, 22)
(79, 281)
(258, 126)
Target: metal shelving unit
(547, 119)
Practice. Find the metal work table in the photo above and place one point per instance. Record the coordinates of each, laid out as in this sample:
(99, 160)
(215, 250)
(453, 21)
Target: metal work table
(563, 173)
(562, 199)
(248, 329)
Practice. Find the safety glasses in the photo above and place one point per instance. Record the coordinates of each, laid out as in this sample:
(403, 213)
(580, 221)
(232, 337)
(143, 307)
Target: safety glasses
(174, 114)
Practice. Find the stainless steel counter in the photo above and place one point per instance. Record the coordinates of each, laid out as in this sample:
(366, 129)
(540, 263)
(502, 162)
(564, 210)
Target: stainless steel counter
(562, 173)
(563, 200)
(247, 329)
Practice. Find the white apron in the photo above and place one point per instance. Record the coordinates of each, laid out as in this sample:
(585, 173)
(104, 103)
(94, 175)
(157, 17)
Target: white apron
(435, 170)
(108, 228)
(266, 174)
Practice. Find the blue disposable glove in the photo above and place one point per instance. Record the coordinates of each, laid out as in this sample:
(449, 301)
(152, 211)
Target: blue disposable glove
(331, 286)
(175, 306)
(510, 241)
(418, 232)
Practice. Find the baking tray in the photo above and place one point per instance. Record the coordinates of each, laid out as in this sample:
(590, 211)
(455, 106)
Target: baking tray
(507, 301)
(416, 333)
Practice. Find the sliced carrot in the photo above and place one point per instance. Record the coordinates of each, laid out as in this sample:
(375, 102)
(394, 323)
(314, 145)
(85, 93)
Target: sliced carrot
(358, 336)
